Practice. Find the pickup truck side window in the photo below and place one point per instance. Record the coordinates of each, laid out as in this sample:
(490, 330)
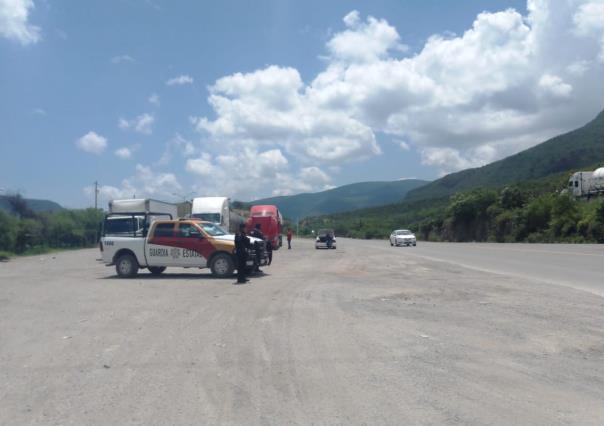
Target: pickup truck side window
(187, 230)
(164, 230)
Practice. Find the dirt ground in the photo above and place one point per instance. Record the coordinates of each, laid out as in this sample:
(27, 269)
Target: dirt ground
(364, 334)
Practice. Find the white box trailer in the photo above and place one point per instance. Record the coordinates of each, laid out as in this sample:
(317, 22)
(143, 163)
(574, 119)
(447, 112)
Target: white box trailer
(132, 217)
(143, 206)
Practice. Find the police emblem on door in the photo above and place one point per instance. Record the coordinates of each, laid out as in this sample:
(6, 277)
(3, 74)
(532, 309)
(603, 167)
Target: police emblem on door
(175, 253)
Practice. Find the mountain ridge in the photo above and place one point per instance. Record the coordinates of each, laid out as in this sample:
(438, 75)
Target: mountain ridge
(343, 198)
(575, 149)
(34, 204)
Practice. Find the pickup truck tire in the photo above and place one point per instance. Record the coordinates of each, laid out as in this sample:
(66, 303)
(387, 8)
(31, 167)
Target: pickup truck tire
(156, 270)
(222, 265)
(126, 266)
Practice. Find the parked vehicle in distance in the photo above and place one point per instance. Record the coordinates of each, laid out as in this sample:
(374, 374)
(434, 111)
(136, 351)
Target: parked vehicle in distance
(132, 217)
(403, 237)
(271, 222)
(216, 210)
(325, 239)
(586, 184)
(186, 243)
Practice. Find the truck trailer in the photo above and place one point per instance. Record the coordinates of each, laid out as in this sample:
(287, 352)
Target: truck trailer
(271, 223)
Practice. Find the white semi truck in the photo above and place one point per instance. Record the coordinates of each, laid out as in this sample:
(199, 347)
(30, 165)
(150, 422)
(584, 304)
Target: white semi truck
(587, 184)
(216, 210)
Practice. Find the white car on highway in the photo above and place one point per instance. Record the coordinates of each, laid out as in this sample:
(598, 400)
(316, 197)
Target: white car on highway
(403, 237)
(325, 239)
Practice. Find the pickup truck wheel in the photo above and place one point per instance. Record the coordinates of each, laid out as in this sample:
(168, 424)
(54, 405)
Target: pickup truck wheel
(126, 266)
(222, 265)
(156, 270)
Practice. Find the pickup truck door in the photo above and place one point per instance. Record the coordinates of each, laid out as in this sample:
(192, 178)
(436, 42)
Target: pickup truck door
(194, 245)
(159, 249)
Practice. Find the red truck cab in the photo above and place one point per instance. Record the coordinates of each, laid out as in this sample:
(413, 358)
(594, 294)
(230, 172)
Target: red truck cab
(270, 220)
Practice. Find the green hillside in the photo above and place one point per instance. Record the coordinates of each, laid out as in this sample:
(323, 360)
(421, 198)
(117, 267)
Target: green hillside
(34, 205)
(344, 198)
(514, 199)
(573, 150)
(530, 211)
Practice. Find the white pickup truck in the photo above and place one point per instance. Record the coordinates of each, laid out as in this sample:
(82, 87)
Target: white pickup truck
(188, 243)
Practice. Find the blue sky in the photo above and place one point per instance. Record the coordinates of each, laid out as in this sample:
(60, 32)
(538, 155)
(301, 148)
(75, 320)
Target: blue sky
(304, 95)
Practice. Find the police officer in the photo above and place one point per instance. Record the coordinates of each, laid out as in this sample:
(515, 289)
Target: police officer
(257, 233)
(242, 244)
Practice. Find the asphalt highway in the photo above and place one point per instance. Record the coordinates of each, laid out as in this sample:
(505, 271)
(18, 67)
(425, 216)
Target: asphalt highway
(366, 334)
(580, 266)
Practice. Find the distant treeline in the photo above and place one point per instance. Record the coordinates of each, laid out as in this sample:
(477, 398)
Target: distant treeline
(517, 213)
(25, 231)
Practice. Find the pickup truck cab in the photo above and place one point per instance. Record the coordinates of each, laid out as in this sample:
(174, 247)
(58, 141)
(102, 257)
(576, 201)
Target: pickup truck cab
(187, 243)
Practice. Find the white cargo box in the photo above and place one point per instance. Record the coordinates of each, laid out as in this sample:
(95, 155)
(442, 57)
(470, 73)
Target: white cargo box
(143, 206)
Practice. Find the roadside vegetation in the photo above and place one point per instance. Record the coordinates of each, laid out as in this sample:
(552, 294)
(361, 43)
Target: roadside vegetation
(534, 211)
(23, 231)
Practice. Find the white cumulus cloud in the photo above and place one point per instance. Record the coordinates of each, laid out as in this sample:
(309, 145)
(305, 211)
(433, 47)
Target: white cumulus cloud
(92, 142)
(178, 144)
(180, 80)
(145, 183)
(14, 23)
(268, 107)
(120, 59)
(124, 153)
(508, 82)
(141, 124)
(154, 100)
(364, 41)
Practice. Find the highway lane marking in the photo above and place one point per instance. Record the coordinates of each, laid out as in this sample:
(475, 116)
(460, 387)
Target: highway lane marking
(522, 250)
(596, 291)
(542, 251)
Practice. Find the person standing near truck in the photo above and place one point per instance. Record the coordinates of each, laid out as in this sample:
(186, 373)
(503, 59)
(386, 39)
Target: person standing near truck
(257, 233)
(290, 234)
(242, 244)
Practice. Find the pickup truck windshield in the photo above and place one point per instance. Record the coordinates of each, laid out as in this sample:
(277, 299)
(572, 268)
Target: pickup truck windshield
(213, 230)
(208, 217)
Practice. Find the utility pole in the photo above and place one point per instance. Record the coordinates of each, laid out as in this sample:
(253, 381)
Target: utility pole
(96, 195)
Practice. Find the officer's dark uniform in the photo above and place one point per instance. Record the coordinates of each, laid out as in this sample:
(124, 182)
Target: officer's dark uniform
(257, 233)
(242, 243)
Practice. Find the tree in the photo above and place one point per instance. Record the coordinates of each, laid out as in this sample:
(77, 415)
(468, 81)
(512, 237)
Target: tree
(537, 215)
(19, 206)
(512, 198)
(8, 232)
(29, 234)
(565, 216)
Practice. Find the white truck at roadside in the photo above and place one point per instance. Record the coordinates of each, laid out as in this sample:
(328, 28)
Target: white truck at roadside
(134, 216)
(216, 210)
(586, 184)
